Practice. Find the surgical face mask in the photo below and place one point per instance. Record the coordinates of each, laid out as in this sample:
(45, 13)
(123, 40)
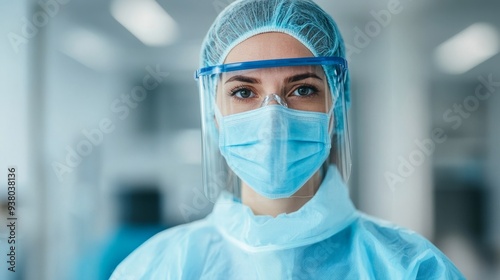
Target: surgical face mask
(270, 124)
(274, 149)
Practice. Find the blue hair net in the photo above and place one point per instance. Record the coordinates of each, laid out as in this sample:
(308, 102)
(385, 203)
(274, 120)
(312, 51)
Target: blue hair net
(302, 19)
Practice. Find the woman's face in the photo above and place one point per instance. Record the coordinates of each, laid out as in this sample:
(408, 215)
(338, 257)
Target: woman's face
(300, 87)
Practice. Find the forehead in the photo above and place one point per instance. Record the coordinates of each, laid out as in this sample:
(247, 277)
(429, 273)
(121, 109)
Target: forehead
(271, 45)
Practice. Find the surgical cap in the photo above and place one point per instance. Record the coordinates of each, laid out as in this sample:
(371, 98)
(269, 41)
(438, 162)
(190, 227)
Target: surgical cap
(302, 19)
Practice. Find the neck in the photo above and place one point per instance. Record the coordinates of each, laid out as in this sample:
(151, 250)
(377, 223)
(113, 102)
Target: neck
(261, 205)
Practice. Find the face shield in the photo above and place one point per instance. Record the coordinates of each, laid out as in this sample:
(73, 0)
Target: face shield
(272, 124)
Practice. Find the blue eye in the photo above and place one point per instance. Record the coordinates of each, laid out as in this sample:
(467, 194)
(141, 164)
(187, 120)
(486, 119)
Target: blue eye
(304, 91)
(243, 93)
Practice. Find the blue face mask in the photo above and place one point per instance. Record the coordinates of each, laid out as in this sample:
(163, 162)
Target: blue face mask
(274, 149)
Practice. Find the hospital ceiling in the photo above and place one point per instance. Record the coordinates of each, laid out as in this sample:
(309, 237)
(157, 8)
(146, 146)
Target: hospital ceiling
(434, 21)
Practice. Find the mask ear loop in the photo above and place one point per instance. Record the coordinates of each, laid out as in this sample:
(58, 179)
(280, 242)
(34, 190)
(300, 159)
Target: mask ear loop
(331, 121)
(331, 130)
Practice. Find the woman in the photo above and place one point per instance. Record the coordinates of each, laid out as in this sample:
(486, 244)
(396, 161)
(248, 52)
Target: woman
(274, 89)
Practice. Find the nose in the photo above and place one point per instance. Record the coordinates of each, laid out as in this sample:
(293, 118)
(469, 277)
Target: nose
(273, 99)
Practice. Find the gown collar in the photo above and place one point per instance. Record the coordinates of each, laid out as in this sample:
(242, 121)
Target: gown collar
(329, 211)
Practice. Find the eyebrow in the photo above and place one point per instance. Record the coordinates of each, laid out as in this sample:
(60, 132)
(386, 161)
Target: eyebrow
(244, 79)
(303, 76)
(295, 78)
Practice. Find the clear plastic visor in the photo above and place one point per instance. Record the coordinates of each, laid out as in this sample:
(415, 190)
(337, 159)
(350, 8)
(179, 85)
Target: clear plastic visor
(273, 130)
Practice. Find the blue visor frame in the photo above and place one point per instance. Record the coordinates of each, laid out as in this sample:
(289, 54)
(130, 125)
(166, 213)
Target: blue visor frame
(284, 62)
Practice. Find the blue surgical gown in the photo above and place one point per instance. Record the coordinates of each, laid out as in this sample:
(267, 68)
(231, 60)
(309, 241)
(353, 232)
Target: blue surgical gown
(325, 239)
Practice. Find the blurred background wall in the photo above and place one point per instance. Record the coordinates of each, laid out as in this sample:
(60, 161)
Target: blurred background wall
(100, 116)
